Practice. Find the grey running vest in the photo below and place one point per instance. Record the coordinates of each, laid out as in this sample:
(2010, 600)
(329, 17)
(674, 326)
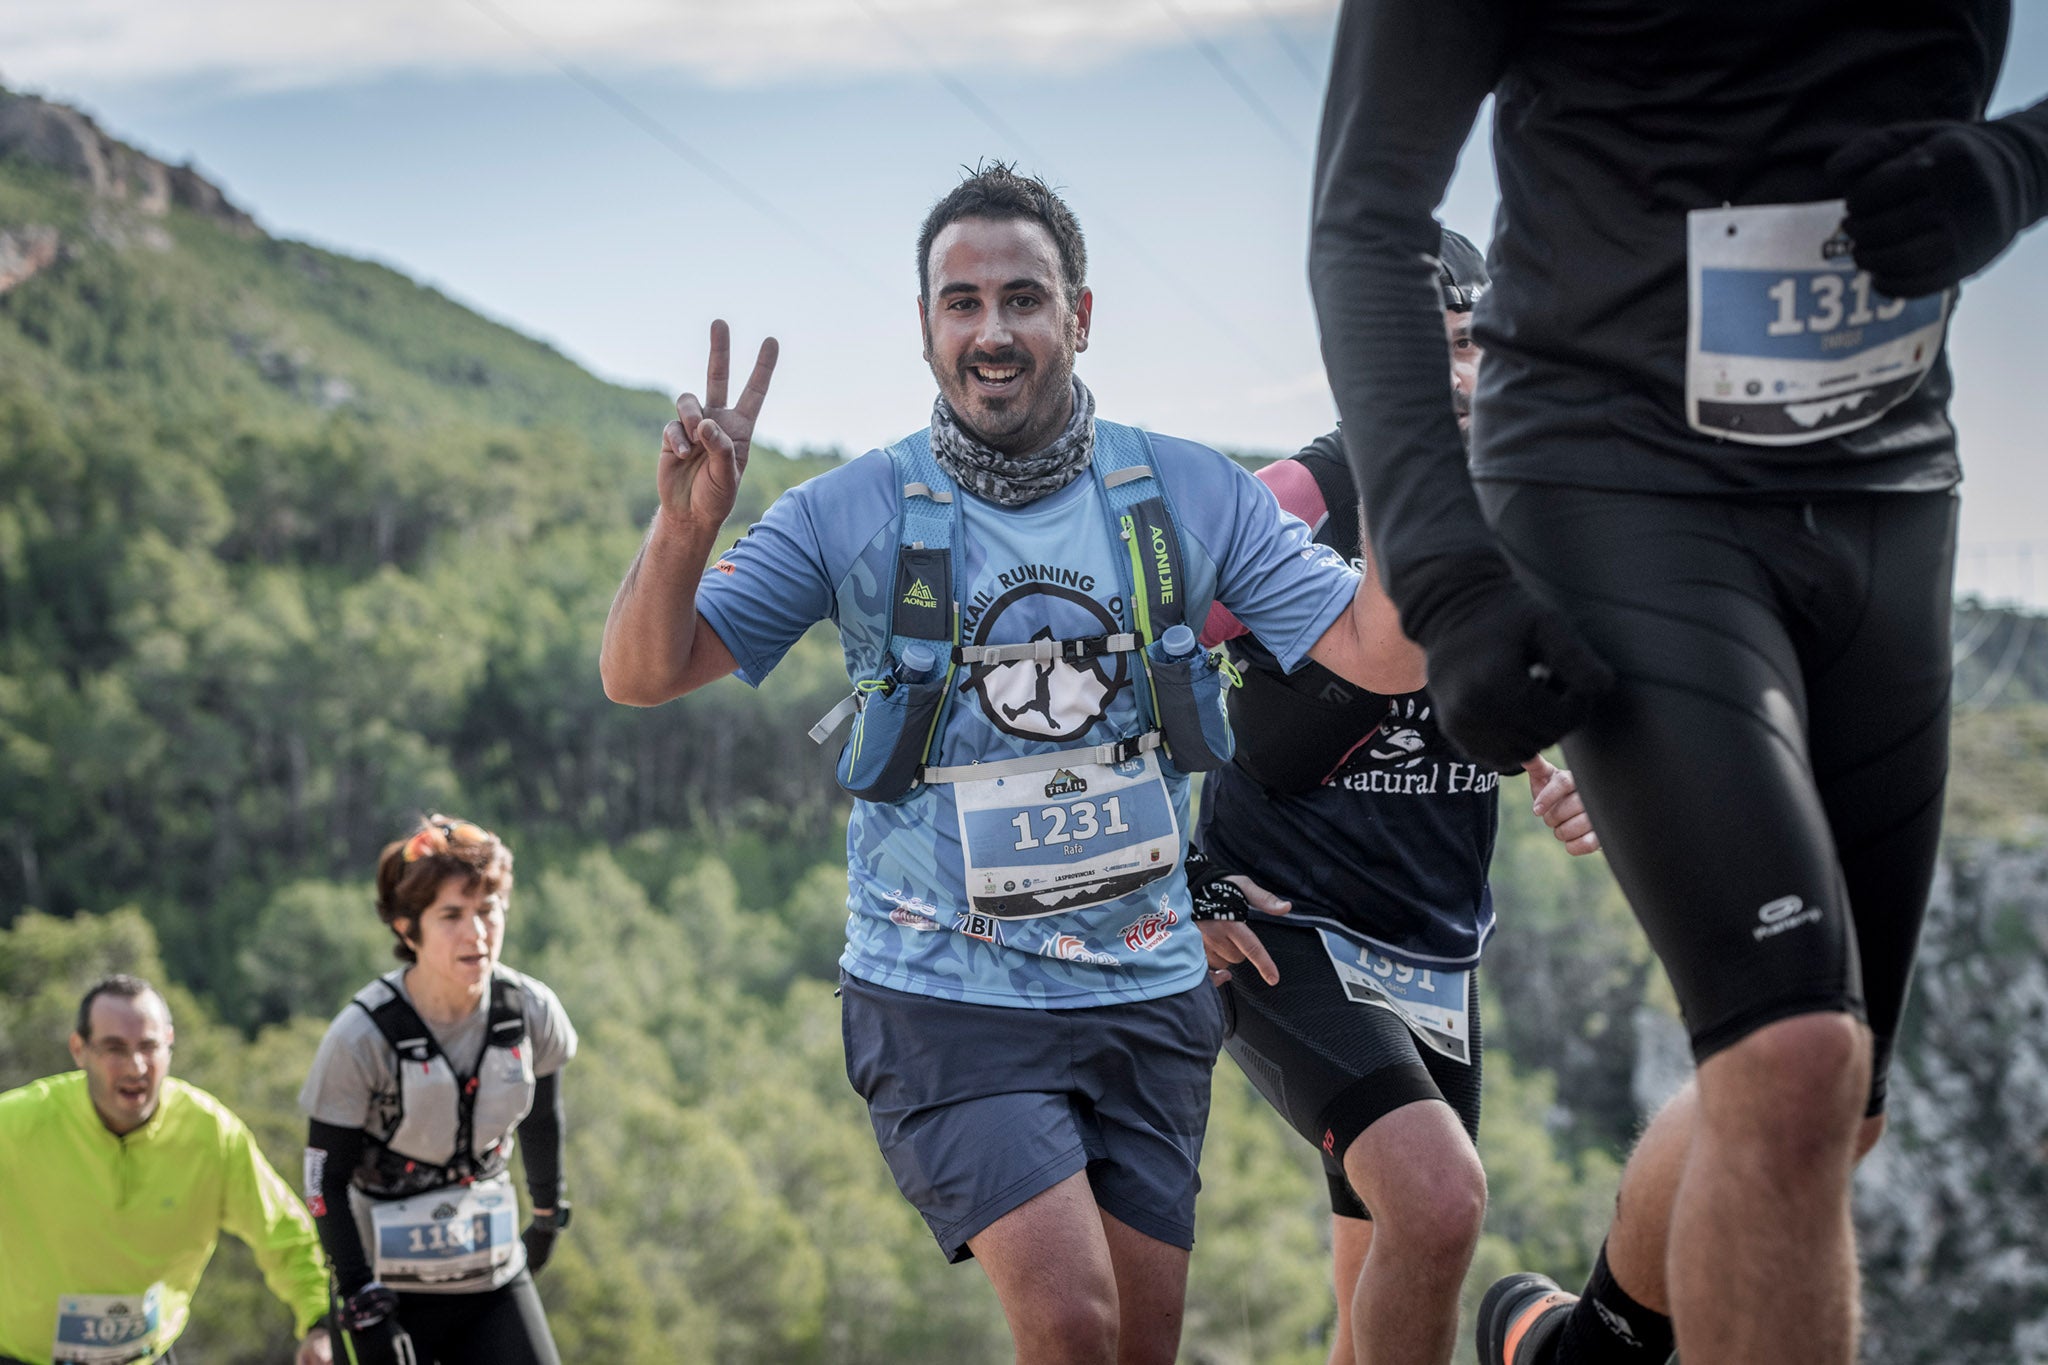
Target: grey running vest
(451, 1128)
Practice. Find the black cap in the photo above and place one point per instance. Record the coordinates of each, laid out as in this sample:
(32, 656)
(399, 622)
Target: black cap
(1460, 273)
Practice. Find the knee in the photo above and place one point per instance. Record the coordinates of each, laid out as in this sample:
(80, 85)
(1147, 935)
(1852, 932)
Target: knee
(1432, 1206)
(1794, 1090)
(1074, 1327)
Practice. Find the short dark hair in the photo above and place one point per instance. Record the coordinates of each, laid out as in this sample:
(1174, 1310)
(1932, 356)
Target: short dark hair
(122, 986)
(995, 190)
(410, 871)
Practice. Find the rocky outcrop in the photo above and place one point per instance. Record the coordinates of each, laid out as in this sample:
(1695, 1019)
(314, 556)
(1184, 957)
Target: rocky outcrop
(24, 251)
(68, 141)
(1952, 1207)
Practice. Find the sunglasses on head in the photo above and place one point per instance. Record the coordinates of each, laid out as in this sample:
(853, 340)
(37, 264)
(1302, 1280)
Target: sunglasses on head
(437, 835)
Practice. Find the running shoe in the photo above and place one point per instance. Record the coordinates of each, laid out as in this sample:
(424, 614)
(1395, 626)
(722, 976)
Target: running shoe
(1519, 1316)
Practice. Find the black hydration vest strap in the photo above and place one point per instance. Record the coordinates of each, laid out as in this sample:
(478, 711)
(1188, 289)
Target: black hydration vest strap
(923, 607)
(1164, 580)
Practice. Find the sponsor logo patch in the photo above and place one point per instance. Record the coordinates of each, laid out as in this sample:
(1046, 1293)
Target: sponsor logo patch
(315, 1172)
(1786, 912)
(1071, 949)
(1065, 783)
(1151, 931)
(908, 918)
(1617, 1324)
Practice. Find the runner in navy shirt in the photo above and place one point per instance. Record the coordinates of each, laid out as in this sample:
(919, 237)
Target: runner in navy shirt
(1353, 806)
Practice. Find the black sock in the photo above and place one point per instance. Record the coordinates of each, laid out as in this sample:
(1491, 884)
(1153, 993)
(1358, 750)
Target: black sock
(1607, 1327)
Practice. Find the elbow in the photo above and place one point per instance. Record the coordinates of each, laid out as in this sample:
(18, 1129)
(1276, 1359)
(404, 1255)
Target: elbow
(625, 694)
(624, 686)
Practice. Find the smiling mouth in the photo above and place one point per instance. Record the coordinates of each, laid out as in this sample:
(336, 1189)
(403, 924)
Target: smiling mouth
(996, 376)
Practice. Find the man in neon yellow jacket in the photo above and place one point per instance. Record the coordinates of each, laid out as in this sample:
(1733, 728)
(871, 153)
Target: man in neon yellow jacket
(118, 1182)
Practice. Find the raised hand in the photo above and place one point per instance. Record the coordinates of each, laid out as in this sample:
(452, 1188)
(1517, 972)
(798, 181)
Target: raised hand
(704, 451)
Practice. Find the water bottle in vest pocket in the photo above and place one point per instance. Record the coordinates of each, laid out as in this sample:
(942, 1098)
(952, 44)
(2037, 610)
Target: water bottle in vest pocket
(893, 729)
(1188, 688)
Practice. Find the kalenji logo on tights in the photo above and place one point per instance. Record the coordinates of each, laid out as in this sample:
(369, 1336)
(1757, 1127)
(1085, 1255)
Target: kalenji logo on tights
(1786, 912)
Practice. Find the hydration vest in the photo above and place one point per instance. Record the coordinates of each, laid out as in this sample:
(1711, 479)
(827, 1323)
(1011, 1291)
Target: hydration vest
(1296, 731)
(899, 711)
(450, 1128)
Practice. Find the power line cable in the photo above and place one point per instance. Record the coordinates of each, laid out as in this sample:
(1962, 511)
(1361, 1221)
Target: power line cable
(2002, 675)
(675, 143)
(1301, 59)
(979, 107)
(1961, 651)
(1214, 56)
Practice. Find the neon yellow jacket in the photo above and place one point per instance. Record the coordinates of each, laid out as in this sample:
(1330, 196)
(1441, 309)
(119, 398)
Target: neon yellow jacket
(86, 1212)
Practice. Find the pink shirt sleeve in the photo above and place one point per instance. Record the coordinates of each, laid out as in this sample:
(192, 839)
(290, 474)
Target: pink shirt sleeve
(1295, 488)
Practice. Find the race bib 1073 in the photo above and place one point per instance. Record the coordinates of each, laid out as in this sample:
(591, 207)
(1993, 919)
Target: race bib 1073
(104, 1329)
(1788, 342)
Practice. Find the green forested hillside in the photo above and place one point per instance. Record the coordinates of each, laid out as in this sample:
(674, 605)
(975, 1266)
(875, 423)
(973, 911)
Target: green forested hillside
(293, 549)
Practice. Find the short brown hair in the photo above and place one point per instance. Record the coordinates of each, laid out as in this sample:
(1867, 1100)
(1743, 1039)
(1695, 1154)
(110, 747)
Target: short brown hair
(410, 871)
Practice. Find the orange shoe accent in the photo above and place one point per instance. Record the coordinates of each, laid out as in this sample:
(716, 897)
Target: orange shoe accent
(1528, 1318)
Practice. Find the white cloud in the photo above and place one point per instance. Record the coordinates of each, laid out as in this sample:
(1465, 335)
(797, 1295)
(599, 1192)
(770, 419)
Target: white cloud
(269, 44)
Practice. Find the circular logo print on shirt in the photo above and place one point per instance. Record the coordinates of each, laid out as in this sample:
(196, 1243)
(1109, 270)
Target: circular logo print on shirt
(1055, 699)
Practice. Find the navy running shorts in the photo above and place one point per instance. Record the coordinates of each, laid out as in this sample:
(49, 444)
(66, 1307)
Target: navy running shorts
(980, 1107)
(1331, 1066)
(1767, 774)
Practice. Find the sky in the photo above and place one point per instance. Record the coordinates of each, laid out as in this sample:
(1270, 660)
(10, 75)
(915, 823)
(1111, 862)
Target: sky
(610, 175)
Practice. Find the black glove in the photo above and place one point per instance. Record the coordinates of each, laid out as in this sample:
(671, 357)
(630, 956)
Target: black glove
(1931, 204)
(1509, 677)
(369, 1321)
(539, 1241)
(1213, 895)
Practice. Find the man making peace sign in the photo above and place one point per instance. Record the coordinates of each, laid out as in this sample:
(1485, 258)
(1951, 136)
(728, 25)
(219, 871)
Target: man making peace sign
(1027, 1009)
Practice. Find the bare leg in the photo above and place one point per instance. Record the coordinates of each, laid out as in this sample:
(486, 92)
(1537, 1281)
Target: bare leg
(1416, 1170)
(1636, 1244)
(1350, 1241)
(1050, 1264)
(1768, 1270)
(1637, 1241)
(1152, 1290)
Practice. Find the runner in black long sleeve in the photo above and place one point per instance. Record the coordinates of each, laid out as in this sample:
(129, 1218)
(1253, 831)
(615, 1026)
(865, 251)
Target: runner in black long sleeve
(1707, 529)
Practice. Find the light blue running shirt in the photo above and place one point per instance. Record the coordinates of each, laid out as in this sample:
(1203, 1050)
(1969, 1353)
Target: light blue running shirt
(827, 549)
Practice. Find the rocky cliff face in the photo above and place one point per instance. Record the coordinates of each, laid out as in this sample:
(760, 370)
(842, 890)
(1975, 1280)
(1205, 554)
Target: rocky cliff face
(1953, 1206)
(130, 189)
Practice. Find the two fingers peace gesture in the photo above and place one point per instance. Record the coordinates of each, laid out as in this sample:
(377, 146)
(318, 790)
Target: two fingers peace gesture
(704, 451)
